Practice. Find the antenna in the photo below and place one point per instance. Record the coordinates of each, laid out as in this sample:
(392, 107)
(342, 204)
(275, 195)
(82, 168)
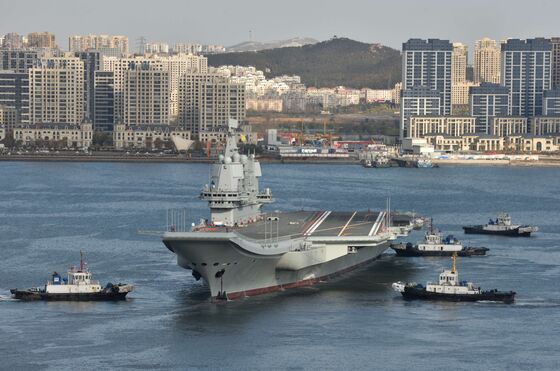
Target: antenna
(250, 35)
(81, 261)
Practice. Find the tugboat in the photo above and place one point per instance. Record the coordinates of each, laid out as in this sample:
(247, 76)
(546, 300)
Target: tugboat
(502, 226)
(425, 162)
(77, 287)
(434, 244)
(450, 288)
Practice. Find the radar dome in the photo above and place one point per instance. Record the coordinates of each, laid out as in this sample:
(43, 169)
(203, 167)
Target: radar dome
(235, 157)
(221, 158)
(227, 160)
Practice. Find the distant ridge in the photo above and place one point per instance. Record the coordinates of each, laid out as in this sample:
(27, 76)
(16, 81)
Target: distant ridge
(252, 46)
(338, 61)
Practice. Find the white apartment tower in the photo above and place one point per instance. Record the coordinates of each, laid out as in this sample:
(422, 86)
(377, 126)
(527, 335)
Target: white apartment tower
(146, 96)
(56, 91)
(486, 61)
(176, 65)
(208, 101)
(459, 63)
(79, 43)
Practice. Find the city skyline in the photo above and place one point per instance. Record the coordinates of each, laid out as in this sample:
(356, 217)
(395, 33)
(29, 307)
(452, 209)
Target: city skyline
(373, 23)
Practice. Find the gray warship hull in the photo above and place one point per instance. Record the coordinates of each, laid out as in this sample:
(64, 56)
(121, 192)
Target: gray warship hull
(242, 262)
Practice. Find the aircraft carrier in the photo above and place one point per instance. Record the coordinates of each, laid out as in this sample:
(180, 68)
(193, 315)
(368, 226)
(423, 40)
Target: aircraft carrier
(242, 251)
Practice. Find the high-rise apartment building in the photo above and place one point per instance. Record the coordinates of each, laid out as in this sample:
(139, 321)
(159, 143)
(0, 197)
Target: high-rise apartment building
(56, 90)
(14, 93)
(78, 43)
(41, 40)
(177, 65)
(426, 64)
(18, 60)
(555, 45)
(92, 62)
(419, 101)
(526, 72)
(12, 40)
(459, 63)
(146, 96)
(486, 61)
(551, 102)
(487, 101)
(104, 101)
(208, 101)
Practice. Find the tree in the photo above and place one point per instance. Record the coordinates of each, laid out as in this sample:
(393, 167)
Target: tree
(9, 141)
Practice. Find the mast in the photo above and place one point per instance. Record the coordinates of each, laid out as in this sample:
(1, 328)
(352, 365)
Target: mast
(81, 261)
(454, 259)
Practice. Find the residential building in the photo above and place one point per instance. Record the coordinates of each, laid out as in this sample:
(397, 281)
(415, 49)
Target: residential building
(264, 105)
(427, 64)
(104, 101)
(64, 134)
(486, 61)
(418, 101)
(8, 117)
(156, 48)
(555, 45)
(92, 62)
(526, 71)
(545, 125)
(396, 93)
(177, 65)
(551, 102)
(446, 125)
(208, 101)
(459, 64)
(487, 101)
(146, 96)
(56, 91)
(18, 60)
(12, 40)
(41, 40)
(377, 95)
(460, 93)
(469, 142)
(14, 93)
(147, 136)
(509, 125)
(79, 43)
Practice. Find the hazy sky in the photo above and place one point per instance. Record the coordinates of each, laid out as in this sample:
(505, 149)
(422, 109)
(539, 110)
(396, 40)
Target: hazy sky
(389, 22)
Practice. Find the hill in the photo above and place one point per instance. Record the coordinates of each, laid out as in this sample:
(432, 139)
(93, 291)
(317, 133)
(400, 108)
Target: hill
(251, 46)
(335, 62)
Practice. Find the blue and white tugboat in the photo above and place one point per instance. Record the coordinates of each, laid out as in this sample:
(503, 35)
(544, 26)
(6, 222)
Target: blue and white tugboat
(434, 244)
(78, 286)
(502, 226)
(449, 288)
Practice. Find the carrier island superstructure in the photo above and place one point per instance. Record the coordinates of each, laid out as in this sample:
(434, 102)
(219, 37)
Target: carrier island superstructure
(241, 251)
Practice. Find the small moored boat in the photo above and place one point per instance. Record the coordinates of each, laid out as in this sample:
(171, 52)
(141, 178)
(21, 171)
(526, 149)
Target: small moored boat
(434, 244)
(78, 286)
(449, 288)
(502, 226)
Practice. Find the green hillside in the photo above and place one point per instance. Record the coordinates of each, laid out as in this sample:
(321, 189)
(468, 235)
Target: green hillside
(335, 62)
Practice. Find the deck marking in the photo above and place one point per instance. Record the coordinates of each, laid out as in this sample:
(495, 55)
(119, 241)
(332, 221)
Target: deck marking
(375, 225)
(346, 225)
(318, 223)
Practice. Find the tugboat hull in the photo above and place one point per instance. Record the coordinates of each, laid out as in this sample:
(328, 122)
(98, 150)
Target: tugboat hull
(33, 295)
(469, 251)
(514, 232)
(413, 293)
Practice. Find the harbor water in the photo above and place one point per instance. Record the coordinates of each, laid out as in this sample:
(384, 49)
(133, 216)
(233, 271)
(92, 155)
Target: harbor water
(115, 211)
